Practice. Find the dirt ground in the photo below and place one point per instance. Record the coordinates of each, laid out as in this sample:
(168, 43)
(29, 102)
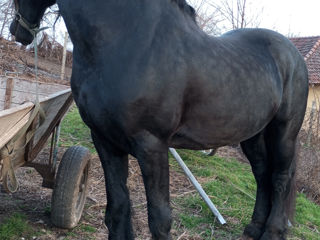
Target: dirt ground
(15, 60)
(34, 201)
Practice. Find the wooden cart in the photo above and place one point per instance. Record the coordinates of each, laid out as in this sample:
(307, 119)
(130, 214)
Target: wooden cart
(25, 128)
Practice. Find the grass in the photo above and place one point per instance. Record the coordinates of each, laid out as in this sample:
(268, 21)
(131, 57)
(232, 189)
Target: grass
(74, 131)
(231, 186)
(14, 227)
(88, 229)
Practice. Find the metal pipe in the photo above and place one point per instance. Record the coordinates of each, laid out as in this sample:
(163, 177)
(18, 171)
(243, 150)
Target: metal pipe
(196, 184)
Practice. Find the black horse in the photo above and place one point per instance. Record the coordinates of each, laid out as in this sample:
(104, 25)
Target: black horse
(145, 78)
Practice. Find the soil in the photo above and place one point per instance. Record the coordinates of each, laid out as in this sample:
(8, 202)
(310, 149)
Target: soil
(17, 61)
(34, 201)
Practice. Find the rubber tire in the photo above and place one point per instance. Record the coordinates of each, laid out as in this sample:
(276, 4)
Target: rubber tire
(68, 196)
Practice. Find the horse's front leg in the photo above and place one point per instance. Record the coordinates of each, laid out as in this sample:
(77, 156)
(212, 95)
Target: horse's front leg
(255, 150)
(152, 155)
(115, 166)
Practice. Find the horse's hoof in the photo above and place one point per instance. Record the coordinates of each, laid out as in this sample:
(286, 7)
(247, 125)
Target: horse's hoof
(270, 236)
(253, 231)
(244, 237)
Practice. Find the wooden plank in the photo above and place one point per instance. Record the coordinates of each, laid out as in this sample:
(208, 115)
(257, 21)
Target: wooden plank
(13, 130)
(51, 107)
(10, 118)
(63, 103)
(8, 94)
(29, 147)
(13, 119)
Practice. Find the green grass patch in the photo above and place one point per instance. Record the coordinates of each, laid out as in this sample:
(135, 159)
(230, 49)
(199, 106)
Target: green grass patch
(14, 227)
(88, 229)
(74, 131)
(231, 186)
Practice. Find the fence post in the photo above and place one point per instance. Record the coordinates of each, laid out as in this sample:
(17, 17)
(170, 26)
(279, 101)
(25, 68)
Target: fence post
(63, 66)
(8, 94)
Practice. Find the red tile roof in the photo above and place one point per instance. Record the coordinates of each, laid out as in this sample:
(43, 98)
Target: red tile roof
(309, 48)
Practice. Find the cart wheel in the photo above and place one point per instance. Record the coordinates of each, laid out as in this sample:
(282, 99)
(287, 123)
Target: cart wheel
(70, 191)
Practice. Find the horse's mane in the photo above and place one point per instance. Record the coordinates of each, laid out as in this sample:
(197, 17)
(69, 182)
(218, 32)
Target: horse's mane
(186, 8)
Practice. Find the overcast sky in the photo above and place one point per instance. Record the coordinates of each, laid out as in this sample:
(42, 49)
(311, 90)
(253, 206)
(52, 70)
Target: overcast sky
(294, 17)
(289, 17)
(299, 17)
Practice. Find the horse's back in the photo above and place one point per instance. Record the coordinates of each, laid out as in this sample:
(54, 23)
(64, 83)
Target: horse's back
(290, 64)
(262, 76)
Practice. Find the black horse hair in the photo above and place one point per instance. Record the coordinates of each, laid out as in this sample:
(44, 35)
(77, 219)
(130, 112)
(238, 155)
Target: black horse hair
(186, 8)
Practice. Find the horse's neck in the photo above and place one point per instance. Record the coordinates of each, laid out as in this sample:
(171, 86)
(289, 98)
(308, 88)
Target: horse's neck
(105, 21)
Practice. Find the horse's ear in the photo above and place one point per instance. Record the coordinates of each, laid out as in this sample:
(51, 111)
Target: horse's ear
(51, 2)
(192, 12)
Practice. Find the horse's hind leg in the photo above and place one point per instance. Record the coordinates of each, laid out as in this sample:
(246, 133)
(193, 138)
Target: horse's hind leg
(152, 155)
(115, 166)
(281, 137)
(256, 152)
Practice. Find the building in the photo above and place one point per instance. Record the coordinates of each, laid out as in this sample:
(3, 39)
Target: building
(309, 48)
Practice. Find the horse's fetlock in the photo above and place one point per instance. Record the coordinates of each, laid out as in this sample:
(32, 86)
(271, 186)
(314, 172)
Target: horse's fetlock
(253, 231)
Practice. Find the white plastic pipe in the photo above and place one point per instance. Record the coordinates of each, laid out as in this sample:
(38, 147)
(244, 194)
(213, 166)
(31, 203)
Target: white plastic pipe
(196, 184)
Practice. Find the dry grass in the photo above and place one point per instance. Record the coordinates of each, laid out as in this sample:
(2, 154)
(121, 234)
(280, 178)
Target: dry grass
(308, 168)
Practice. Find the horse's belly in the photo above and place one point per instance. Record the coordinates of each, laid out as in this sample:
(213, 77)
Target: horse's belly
(210, 132)
(197, 139)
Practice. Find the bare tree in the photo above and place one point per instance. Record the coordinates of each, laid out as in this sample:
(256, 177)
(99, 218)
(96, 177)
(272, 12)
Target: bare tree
(6, 15)
(207, 17)
(238, 13)
(216, 16)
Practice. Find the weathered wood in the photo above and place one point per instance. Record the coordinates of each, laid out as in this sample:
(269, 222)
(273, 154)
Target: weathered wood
(8, 94)
(24, 147)
(12, 120)
(29, 147)
(55, 111)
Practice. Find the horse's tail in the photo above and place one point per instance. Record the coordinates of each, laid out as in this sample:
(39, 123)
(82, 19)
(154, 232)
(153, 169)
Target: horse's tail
(290, 203)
